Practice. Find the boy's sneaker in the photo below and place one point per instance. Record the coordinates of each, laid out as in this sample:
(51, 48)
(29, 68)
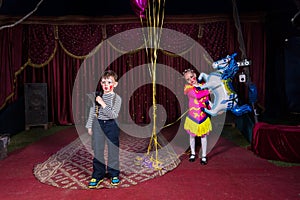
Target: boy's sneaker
(115, 181)
(94, 183)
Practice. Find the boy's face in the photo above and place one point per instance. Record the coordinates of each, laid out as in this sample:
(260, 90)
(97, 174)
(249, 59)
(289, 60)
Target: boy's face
(108, 84)
(190, 77)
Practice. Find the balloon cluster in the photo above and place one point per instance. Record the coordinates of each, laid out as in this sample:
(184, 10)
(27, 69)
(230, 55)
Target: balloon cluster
(139, 7)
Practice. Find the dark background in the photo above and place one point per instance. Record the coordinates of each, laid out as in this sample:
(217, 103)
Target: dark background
(122, 7)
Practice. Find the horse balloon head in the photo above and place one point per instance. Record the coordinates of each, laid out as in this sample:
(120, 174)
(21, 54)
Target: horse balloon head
(227, 66)
(224, 62)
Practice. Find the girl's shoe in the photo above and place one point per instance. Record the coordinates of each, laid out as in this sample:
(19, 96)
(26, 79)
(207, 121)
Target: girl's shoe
(192, 158)
(203, 161)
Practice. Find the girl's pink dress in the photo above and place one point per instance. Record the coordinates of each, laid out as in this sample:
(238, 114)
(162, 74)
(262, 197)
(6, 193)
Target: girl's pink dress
(197, 123)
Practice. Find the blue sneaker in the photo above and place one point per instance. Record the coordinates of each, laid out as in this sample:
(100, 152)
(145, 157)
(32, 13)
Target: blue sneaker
(115, 181)
(94, 183)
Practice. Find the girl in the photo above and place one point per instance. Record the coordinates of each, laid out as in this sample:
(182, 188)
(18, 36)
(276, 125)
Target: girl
(197, 123)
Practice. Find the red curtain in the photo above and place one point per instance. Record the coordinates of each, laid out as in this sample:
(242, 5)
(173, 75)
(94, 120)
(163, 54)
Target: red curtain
(255, 43)
(11, 43)
(276, 142)
(56, 52)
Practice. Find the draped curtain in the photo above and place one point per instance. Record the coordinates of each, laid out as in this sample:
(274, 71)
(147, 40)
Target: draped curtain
(11, 42)
(54, 53)
(255, 43)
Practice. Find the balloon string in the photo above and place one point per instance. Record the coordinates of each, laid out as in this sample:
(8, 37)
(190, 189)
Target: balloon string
(175, 120)
(162, 11)
(153, 12)
(153, 57)
(146, 46)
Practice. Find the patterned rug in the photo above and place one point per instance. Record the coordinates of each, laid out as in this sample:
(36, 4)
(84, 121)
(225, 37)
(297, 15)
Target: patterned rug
(71, 167)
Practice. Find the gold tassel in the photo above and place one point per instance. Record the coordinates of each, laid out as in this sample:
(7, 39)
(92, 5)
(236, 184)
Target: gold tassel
(97, 110)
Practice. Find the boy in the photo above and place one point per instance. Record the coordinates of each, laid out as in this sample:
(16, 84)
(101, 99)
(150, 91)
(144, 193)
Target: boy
(102, 126)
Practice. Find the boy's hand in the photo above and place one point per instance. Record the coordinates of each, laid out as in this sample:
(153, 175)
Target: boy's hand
(90, 132)
(100, 101)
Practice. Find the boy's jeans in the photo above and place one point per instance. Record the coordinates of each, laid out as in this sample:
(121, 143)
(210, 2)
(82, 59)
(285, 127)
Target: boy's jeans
(108, 132)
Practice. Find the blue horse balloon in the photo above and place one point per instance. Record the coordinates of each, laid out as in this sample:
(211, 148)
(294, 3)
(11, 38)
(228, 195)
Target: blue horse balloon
(219, 83)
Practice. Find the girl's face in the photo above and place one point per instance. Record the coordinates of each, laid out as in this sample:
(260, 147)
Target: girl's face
(108, 84)
(190, 77)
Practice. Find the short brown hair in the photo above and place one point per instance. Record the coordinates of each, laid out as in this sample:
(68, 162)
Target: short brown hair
(109, 73)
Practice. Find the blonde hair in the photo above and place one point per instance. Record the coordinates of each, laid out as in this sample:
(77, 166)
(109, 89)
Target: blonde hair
(187, 70)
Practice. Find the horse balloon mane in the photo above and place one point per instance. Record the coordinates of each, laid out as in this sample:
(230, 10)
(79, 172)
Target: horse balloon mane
(219, 83)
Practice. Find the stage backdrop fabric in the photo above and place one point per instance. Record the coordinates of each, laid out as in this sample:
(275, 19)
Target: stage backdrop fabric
(52, 54)
(276, 142)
